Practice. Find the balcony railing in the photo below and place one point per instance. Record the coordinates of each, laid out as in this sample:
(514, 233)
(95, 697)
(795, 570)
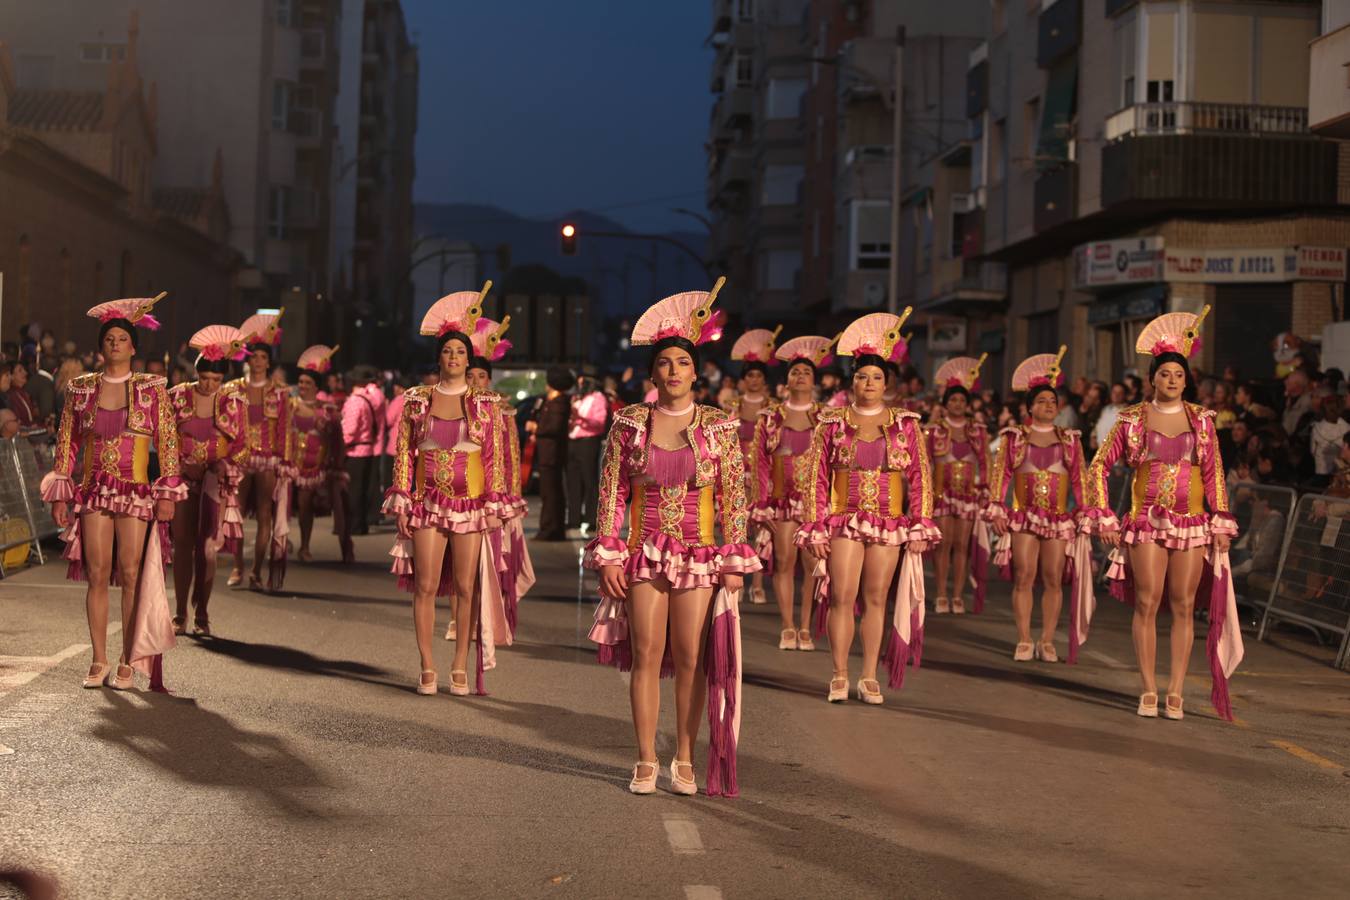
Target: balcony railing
(1207, 118)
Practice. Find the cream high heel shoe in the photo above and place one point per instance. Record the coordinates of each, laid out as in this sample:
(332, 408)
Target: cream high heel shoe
(1148, 705)
(98, 673)
(1174, 713)
(787, 640)
(457, 689)
(1024, 652)
(958, 606)
(122, 682)
(450, 631)
(942, 605)
(679, 785)
(838, 690)
(867, 695)
(647, 783)
(424, 687)
(1045, 651)
(804, 641)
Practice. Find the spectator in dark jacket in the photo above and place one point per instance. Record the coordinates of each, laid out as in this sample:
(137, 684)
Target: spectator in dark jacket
(549, 428)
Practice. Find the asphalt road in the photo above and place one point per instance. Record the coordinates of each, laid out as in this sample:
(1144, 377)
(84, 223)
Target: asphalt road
(294, 759)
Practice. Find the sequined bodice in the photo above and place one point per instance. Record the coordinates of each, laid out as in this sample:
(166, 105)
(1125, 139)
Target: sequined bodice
(1171, 450)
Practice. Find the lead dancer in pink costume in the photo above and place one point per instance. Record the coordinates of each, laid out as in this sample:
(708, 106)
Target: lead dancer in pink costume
(754, 350)
(1169, 541)
(318, 451)
(1044, 465)
(268, 467)
(448, 492)
(671, 593)
(863, 456)
(109, 422)
(959, 448)
(516, 568)
(211, 444)
(780, 468)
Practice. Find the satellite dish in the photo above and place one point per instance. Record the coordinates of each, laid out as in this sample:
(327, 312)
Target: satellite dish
(874, 294)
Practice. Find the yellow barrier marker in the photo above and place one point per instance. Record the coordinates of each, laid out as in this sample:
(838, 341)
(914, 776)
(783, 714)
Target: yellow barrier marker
(1308, 756)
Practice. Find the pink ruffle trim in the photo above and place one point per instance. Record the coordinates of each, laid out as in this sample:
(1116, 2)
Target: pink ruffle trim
(113, 495)
(605, 551)
(686, 568)
(1096, 521)
(458, 516)
(257, 462)
(57, 488)
(946, 505)
(769, 511)
(869, 528)
(170, 488)
(1047, 526)
(1174, 531)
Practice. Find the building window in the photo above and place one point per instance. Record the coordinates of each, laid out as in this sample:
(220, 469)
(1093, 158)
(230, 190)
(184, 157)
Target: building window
(998, 144)
(1031, 120)
(278, 205)
(35, 73)
(784, 98)
(782, 185)
(870, 234)
(1160, 91)
(1043, 332)
(286, 12)
(282, 93)
(779, 270)
(743, 70)
(102, 53)
(745, 10)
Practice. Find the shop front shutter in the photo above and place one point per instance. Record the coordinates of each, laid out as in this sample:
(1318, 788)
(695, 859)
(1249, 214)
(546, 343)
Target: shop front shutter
(1246, 318)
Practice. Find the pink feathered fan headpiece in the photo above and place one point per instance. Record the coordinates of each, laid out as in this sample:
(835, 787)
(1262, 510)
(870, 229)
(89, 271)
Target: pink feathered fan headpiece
(756, 345)
(487, 338)
(135, 310)
(318, 358)
(459, 311)
(1172, 333)
(217, 342)
(689, 315)
(877, 334)
(811, 348)
(263, 328)
(1038, 370)
(963, 371)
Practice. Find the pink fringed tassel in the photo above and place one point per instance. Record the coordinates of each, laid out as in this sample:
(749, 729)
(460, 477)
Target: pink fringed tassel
(822, 600)
(895, 660)
(721, 666)
(1218, 613)
(157, 675)
(764, 548)
(479, 687)
(915, 638)
(979, 565)
(619, 655)
(1073, 619)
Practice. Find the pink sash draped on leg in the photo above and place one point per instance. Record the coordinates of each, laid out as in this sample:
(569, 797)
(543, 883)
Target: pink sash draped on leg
(906, 643)
(281, 530)
(723, 665)
(493, 627)
(822, 597)
(979, 564)
(1223, 643)
(151, 629)
(1082, 602)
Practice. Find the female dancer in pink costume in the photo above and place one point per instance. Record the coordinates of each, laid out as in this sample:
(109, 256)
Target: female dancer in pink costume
(318, 451)
(864, 455)
(268, 468)
(109, 422)
(1044, 465)
(754, 350)
(959, 448)
(448, 491)
(517, 570)
(1169, 538)
(210, 445)
(780, 468)
(674, 465)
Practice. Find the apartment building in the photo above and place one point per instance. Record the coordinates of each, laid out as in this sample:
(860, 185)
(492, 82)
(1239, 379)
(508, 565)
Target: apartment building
(1133, 157)
(756, 156)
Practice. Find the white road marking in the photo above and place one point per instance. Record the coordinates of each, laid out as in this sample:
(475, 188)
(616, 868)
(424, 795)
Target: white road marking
(6, 751)
(1104, 658)
(30, 710)
(16, 671)
(682, 834)
(702, 892)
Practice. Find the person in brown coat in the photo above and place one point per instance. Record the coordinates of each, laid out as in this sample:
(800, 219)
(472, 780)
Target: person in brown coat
(550, 454)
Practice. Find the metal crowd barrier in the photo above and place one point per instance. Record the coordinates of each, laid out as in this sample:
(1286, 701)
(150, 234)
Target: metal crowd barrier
(1264, 513)
(24, 519)
(1312, 581)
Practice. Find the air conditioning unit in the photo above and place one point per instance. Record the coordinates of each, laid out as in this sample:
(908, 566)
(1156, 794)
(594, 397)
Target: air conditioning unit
(963, 203)
(874, 294)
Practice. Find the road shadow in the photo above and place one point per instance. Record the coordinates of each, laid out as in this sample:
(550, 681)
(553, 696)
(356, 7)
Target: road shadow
(205, 748)
(275, 656)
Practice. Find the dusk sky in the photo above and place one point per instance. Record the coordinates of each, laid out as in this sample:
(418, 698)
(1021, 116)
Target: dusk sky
(541, 107)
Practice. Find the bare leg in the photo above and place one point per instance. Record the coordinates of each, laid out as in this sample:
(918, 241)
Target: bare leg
(809, 565)
(1025, 554)
(464, 550)
(942, 558)
(305, 502)
(130, 538)
(265, 484)
(428, 555)
(1148, 565)
(689, 617)
(846, 562)
(877, 572)
(960, 539)
(246, 489)
(648, 613)
(185, 517)
(785, 570)
(1052, 588)
(96, 535)
(1183, 579)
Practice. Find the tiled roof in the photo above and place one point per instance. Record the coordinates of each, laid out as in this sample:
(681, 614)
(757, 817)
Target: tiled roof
(56, 110)
(183, 202)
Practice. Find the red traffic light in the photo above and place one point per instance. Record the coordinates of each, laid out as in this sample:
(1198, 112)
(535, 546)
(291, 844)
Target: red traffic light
(567, 239)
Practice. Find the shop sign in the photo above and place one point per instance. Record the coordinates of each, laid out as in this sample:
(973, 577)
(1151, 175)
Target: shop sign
(1321, 264)
(1105, 264)
(1227, 266)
